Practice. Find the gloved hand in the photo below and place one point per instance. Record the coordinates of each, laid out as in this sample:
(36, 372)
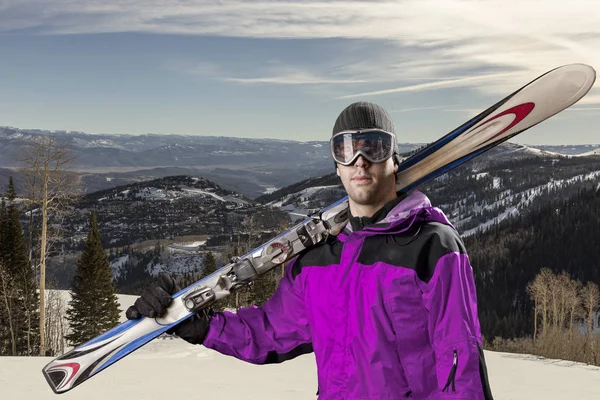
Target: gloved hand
(154, 302)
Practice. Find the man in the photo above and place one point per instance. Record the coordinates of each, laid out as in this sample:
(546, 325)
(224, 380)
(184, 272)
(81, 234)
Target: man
(388, 306)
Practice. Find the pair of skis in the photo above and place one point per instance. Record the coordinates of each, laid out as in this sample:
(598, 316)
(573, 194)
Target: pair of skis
(535, 102)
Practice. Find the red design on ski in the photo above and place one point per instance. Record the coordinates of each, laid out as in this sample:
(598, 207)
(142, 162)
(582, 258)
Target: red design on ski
(520, 112)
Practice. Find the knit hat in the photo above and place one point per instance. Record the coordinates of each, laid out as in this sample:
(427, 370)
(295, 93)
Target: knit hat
(364, 115)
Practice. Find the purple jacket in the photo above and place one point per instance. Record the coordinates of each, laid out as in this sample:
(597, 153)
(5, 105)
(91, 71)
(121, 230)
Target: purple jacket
(390, 312)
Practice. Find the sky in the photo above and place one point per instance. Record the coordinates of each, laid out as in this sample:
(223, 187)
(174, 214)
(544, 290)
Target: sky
(286, 69)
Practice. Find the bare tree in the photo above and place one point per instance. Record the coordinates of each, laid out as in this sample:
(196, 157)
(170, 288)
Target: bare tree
(56, 324)
(591, 302)
(6, 289)
(539, 291)
(574, 302)
(563, 282)
(47, 164)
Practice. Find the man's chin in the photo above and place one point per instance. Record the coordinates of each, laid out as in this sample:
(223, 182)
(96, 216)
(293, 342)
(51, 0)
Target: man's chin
(363, 198)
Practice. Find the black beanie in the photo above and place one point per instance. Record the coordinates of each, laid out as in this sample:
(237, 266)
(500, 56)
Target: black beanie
(364, 115)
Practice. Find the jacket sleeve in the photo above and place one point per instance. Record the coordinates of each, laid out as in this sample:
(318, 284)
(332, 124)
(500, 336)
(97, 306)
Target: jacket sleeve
(453, 325)
(274, 332)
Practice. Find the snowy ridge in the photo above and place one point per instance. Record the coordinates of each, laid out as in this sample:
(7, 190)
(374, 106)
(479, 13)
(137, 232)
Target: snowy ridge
(302, 196)
(176, 259)
(172, 188)
(589, 153)
(536, 151)
(117, 265)
(302, 203)
(527, 197)
(178, 263)
(195, 246)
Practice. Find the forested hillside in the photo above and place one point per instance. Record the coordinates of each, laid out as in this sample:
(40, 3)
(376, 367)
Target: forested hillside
(562, 236)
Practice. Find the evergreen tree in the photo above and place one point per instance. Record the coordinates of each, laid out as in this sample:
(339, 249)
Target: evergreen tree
(5, 320)
(20, 300)
(11, 194)
(2, 225)
(94, 307)
(210, 264)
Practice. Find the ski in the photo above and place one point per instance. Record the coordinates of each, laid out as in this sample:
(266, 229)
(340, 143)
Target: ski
(535, 102)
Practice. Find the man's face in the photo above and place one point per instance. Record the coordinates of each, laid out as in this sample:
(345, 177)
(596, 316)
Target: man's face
(368, 184)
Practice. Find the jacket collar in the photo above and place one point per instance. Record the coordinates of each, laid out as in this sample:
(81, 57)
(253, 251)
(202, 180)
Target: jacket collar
(397, 216)
(358, 223)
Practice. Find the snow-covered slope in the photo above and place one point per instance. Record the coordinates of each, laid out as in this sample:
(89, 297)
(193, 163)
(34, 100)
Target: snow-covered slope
(595, 152)
(172, 369)
(169, 368)
(506, 207)
(308, 200)
(478, 194)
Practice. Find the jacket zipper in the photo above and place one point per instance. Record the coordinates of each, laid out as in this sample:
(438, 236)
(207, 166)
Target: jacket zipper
(452, 374)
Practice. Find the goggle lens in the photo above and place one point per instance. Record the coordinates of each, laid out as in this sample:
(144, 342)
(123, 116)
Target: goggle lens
(375, 146)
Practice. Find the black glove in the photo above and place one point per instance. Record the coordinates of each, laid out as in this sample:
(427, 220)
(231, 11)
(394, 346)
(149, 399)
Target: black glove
(155, 300)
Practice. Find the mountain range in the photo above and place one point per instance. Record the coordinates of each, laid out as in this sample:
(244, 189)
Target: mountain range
(250, 166)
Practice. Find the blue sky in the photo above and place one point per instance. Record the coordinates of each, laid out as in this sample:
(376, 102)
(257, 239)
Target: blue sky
(283, 69)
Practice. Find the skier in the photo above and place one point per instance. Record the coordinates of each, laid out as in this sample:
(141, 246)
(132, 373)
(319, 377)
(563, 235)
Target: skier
(388, 306)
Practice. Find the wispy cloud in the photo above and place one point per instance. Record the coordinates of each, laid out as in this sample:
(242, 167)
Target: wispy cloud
(590, 99)
(450, 38)
(583, 109)
(465, 81)
(300, 79)
(467, 111)
(417, 109)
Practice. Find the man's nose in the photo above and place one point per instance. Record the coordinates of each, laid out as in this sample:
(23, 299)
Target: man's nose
(361, 162)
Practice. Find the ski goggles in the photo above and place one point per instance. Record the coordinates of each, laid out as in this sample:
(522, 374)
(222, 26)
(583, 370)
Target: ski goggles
(374, 145)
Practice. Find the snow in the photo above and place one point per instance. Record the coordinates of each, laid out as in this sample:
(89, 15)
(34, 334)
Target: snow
(169, 368)
(527, 197)
(497, 182)
(303, 194)
(194, 246)
(595, 152)
(193, 191)
(117, 265)
(540, 151)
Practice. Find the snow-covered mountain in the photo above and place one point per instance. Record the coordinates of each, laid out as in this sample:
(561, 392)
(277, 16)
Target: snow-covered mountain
(569, 149)
(157, 225)
(511, 179)
(250, 166)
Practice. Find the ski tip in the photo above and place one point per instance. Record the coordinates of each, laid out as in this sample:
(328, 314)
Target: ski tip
(584, 70)
(53, 381)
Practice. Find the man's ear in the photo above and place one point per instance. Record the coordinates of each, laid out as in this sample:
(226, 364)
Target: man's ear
(337, 170)
(395, 167)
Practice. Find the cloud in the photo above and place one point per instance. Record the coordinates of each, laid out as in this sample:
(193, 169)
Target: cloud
(590, 99)
(293, 79)
(467, 40)
(465, 81)
(417, 109)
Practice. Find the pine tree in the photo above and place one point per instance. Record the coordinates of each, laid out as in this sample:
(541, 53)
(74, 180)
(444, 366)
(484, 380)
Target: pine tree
(94, 307)
(11, 194)
(6, 332)
(20, 301)
(210, 265)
